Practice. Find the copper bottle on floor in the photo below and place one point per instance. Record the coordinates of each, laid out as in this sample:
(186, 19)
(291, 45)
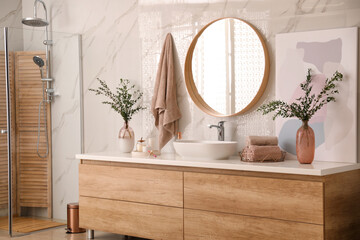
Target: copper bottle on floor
(73, 219)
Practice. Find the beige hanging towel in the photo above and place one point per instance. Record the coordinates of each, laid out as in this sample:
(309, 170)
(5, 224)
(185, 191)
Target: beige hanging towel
(164, 105)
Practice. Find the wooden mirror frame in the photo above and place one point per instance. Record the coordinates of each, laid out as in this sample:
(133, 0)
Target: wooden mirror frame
(190, 84)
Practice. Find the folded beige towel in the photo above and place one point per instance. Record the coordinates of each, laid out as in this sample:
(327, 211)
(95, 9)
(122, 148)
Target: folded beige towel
(261, 140)
(262, 153)
(164, 105)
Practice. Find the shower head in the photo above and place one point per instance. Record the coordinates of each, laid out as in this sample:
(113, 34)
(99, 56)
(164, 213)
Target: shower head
(35, 21)
(38, 61)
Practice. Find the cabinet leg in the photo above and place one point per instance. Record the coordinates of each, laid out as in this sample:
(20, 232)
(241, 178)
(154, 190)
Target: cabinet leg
(89, 234)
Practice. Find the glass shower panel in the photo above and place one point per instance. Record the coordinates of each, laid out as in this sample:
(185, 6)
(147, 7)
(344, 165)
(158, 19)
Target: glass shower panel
(47, 129)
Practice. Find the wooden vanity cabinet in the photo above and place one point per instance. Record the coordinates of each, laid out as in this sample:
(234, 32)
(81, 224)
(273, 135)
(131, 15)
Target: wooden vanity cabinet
(167, 202)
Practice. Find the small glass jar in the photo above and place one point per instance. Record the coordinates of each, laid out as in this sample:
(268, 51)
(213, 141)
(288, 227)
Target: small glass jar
(140, 145)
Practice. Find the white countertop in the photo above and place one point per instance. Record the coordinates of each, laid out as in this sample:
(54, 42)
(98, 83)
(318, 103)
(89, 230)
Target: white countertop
(317, 168)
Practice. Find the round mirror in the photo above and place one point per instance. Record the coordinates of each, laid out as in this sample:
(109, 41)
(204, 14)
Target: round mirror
(226, 67)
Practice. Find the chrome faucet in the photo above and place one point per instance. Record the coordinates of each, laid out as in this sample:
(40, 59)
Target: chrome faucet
(220, 129)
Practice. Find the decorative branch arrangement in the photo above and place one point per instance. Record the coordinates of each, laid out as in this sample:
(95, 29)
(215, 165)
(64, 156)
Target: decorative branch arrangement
(307, 105)
(123, 100)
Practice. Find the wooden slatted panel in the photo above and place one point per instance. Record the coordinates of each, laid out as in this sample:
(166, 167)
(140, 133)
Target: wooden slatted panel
(3, 137)
(33, 172)
(34, 178)
(29, 91)
(3, 125)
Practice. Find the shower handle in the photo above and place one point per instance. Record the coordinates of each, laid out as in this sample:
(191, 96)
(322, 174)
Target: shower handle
(3, 131)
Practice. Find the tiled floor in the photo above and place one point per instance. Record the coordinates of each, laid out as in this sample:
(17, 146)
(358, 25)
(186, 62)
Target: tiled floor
(60, 234)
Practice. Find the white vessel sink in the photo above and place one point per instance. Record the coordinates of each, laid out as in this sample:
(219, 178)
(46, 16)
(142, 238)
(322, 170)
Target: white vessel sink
(205, 149)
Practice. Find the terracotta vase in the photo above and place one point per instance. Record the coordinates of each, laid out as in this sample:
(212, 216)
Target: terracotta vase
(126, 139)
(305, 144)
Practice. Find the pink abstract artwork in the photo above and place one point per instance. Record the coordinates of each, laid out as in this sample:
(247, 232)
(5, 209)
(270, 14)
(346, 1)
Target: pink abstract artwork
(324, 52)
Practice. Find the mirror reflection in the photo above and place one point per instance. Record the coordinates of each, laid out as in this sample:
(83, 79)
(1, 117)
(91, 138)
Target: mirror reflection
(228, 65)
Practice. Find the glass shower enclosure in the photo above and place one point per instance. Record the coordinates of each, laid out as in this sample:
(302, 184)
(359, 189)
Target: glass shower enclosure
(40, 124)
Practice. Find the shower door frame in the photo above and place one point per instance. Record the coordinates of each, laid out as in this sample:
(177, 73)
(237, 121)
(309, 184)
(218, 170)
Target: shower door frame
(9, 129)
(8, 113)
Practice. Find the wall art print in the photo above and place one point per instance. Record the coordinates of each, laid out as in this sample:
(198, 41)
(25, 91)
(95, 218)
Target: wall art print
(335, 125)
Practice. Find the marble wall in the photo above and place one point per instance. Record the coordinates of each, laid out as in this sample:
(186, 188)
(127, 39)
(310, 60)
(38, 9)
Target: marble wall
(124, 39)
(10, 16)
(10, 13)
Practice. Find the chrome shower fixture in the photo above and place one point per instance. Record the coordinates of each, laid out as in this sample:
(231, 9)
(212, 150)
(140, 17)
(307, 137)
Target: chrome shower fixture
(48, 91)
(39, 22)
(35, 21)
(38, 61)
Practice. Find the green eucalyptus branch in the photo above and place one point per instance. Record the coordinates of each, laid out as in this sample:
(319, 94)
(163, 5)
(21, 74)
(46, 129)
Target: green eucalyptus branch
(306, 106)
(124, 99)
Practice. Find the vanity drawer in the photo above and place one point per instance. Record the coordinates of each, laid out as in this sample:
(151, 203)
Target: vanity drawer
(133, 219)
(202, 225)
(263, 197)
(132, 184)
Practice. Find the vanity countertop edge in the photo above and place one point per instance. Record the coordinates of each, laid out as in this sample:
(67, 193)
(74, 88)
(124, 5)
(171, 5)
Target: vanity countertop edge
(317, 168)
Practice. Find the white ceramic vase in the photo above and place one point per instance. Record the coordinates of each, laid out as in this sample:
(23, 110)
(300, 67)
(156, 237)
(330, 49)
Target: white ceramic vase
(126, 139)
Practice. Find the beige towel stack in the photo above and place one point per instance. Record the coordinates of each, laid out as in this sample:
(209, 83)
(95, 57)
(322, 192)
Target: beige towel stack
(261, 149)
(164, 105)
